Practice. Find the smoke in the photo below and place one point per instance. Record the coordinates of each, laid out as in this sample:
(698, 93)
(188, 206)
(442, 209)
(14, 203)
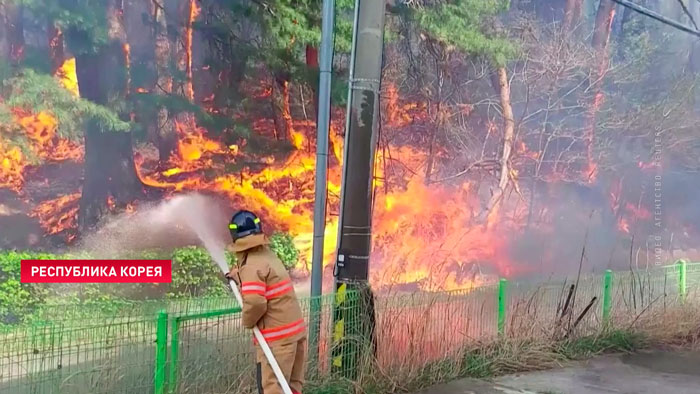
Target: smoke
(574, 222)
(578, 217)
(187, 219)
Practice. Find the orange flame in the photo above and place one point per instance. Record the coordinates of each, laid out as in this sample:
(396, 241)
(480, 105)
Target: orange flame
(43, 142)
(195, 10)
(41, 131)
(623, 225)
(41, 128)
(193, 13)
(638, 212)
(11, 167)
(429, 235)
(192, 147)
(67, 76)
(59, 214)
(298, 139)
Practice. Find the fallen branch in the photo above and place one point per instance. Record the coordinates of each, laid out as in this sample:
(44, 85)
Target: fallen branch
(642, 312)
(584, 313)
(489, 164)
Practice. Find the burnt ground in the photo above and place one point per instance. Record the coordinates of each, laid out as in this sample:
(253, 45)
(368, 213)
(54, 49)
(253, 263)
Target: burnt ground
(19, 230)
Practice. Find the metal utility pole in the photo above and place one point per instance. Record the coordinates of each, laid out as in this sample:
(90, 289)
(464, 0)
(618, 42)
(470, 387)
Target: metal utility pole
(355, 320)
(322, 130)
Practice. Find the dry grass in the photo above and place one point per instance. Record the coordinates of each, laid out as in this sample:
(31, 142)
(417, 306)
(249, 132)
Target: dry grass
(450, 335)
(481, 360)
(422, 339)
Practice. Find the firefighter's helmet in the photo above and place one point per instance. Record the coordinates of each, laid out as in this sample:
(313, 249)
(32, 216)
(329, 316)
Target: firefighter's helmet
(243, 224)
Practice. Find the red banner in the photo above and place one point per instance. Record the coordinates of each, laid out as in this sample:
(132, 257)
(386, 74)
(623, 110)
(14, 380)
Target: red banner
(96, 271)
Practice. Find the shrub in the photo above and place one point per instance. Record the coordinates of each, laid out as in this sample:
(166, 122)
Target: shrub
(283, 245)
(17, 300)
(195, 274)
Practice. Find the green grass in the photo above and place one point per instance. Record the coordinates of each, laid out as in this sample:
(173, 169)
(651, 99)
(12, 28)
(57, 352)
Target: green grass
(612, 341)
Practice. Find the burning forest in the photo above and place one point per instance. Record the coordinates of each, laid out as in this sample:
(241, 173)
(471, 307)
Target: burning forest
(547, 135)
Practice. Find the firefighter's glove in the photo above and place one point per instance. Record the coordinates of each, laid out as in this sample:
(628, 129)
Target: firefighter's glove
(233, 275)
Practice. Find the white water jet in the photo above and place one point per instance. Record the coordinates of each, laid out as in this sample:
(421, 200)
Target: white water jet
(183, 220)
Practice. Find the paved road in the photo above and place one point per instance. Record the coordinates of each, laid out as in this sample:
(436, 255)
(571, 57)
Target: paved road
(644, 373)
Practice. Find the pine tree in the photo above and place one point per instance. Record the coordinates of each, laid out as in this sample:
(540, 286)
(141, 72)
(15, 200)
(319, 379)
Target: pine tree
(292, 32)
(56, 45)
(468, 26)
(188, 11)
(600, 41)
(12, 31)
(166, 137)
(96, 34)
(572, 14)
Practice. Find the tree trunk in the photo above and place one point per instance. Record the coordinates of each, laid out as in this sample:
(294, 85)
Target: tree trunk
(626, 17)
(508, 137)
(693, 53)
(14, 33)
(4, 41)
(56, 52)
(281, 108)
(109, 171)
(600, 41)
(572, 15)
(164, 128)
(188, 13)
(438, 121)
(603, 24)
(509, 124)
(431, 155)
(109, 160)
(312, 65)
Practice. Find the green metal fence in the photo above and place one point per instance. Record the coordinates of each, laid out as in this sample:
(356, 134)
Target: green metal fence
(214, 353)
(200, 346)
(83, 357)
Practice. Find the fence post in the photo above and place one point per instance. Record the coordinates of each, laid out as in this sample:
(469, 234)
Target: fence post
(682, 285)
(607, 295)
(315, 303)
(174, 349)
(161, 349)
(502, 285)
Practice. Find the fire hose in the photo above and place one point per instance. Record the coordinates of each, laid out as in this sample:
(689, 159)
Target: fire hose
(264, 346)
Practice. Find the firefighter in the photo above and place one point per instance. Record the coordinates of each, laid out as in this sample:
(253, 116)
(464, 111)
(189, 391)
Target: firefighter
(269, 302)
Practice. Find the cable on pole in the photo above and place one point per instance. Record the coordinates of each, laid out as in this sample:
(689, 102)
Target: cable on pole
(658, 17)
(686, 11)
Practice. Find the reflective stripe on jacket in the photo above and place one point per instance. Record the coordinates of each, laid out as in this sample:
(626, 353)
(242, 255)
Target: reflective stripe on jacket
(269, 300)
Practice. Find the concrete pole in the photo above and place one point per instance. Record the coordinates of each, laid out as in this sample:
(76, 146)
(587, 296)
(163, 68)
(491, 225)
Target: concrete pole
(353, 314)
(322, 130)
(354, 244)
